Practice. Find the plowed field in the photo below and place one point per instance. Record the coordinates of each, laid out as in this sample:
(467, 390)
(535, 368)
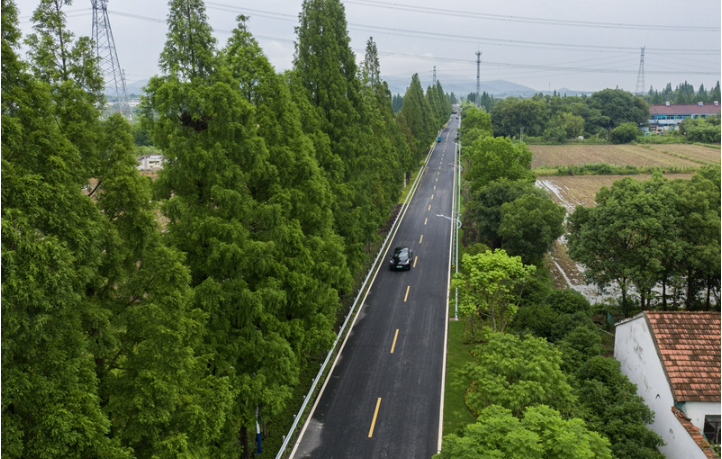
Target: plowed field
(672, 155)
(572, 190)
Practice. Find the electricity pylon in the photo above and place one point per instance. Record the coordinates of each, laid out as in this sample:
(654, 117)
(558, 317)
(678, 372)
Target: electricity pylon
(639, 89)
(108, 57)
(478, 76)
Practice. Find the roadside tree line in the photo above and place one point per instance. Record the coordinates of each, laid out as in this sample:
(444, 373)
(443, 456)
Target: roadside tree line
(128, 335)
(541, 384)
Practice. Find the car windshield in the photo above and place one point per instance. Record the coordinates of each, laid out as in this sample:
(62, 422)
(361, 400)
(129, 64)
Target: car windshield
(399, 253)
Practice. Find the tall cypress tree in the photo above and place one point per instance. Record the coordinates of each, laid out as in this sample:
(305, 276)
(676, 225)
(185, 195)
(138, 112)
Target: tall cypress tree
(418, 115)
(242, 229)
(308, 263)
(325, 71)
(70, 67)
(51, 251)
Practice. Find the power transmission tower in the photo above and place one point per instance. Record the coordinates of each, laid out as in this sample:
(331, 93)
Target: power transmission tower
(434, 76)
(478, 76)
(107, 56)
(639, 89)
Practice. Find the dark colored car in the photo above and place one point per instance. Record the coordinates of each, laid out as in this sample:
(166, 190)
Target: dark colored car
(402, 258)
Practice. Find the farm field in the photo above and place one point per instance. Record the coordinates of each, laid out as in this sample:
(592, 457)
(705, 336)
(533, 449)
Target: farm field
(672, 155)
(572, 190)
(695, 153)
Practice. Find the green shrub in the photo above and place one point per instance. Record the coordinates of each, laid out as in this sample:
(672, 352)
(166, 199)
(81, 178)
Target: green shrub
(624, 133)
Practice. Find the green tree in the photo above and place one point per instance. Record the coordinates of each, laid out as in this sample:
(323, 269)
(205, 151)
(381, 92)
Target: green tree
(484, 207)
(476, 123)
(490, 159)
(610, 405)
(146, 333)
(697, 206)
(624, 133)
(325, 72)
(618, 107)
(517, 373)
(510, 115)
(418, 115)
(623, 239)
(529, 225)
(226, 213)
(541, 433)
(490, 284)
(71, 69)
(51, 251)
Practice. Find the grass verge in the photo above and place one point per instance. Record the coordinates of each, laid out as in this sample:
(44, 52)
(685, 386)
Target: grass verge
(608, 169)
(456, 414)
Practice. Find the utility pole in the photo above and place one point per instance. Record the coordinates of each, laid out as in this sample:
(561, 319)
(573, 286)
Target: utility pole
(639, 89)
(478, 76)
(108, 57)
(434, 84)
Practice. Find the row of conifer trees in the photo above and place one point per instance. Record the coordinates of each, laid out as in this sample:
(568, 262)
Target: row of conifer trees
(153, 319)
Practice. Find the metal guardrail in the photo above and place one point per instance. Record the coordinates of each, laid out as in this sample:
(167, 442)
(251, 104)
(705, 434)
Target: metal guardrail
(342, 331)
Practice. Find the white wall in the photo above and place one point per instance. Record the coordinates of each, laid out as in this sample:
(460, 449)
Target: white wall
(696, 411)
(150, 162)
(634, 348)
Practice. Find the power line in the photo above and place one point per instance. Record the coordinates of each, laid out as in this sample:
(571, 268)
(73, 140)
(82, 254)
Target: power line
(463, 38)
(558, 22)
(571, 70)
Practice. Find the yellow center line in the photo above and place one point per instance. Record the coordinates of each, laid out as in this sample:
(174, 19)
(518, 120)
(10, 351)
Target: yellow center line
(422, 238)
(437, 180)
(438, 172)
(373, 421)
(426, 220)
(393, 346)
(406, 297)
(434, 186)
(429, 207)
(439, 167)
(415, 260)
(432, 196)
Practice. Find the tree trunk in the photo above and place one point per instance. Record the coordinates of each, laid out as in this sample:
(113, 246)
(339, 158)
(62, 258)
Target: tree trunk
(690, 288)
(244, 443)
(709, 284)
(664, 295)
(471, 321)
(624, 298)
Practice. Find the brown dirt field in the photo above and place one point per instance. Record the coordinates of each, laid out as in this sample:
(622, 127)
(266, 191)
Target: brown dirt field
(572, 190)
(693, 152)
(620, 155)
(560, 259)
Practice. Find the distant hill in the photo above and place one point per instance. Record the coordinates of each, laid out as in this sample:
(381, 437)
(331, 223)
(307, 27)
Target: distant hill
(496, 88)
(132, 88)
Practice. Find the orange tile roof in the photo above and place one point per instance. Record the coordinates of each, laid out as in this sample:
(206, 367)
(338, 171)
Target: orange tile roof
(693, 432)
(688, 343)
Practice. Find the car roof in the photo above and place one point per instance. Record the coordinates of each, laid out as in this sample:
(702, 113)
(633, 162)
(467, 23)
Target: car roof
(400, 249)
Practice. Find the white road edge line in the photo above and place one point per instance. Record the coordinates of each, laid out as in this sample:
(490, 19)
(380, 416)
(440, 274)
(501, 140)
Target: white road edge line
(446, 317)
(343, 345)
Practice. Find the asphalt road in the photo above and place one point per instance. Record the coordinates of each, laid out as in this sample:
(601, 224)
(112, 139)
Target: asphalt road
(382, 398)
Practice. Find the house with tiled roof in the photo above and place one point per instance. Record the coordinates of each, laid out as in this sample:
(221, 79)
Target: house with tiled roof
(674, 359)
(663, 117)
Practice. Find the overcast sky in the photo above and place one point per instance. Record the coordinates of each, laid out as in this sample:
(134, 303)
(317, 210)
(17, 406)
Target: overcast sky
(529, 42)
